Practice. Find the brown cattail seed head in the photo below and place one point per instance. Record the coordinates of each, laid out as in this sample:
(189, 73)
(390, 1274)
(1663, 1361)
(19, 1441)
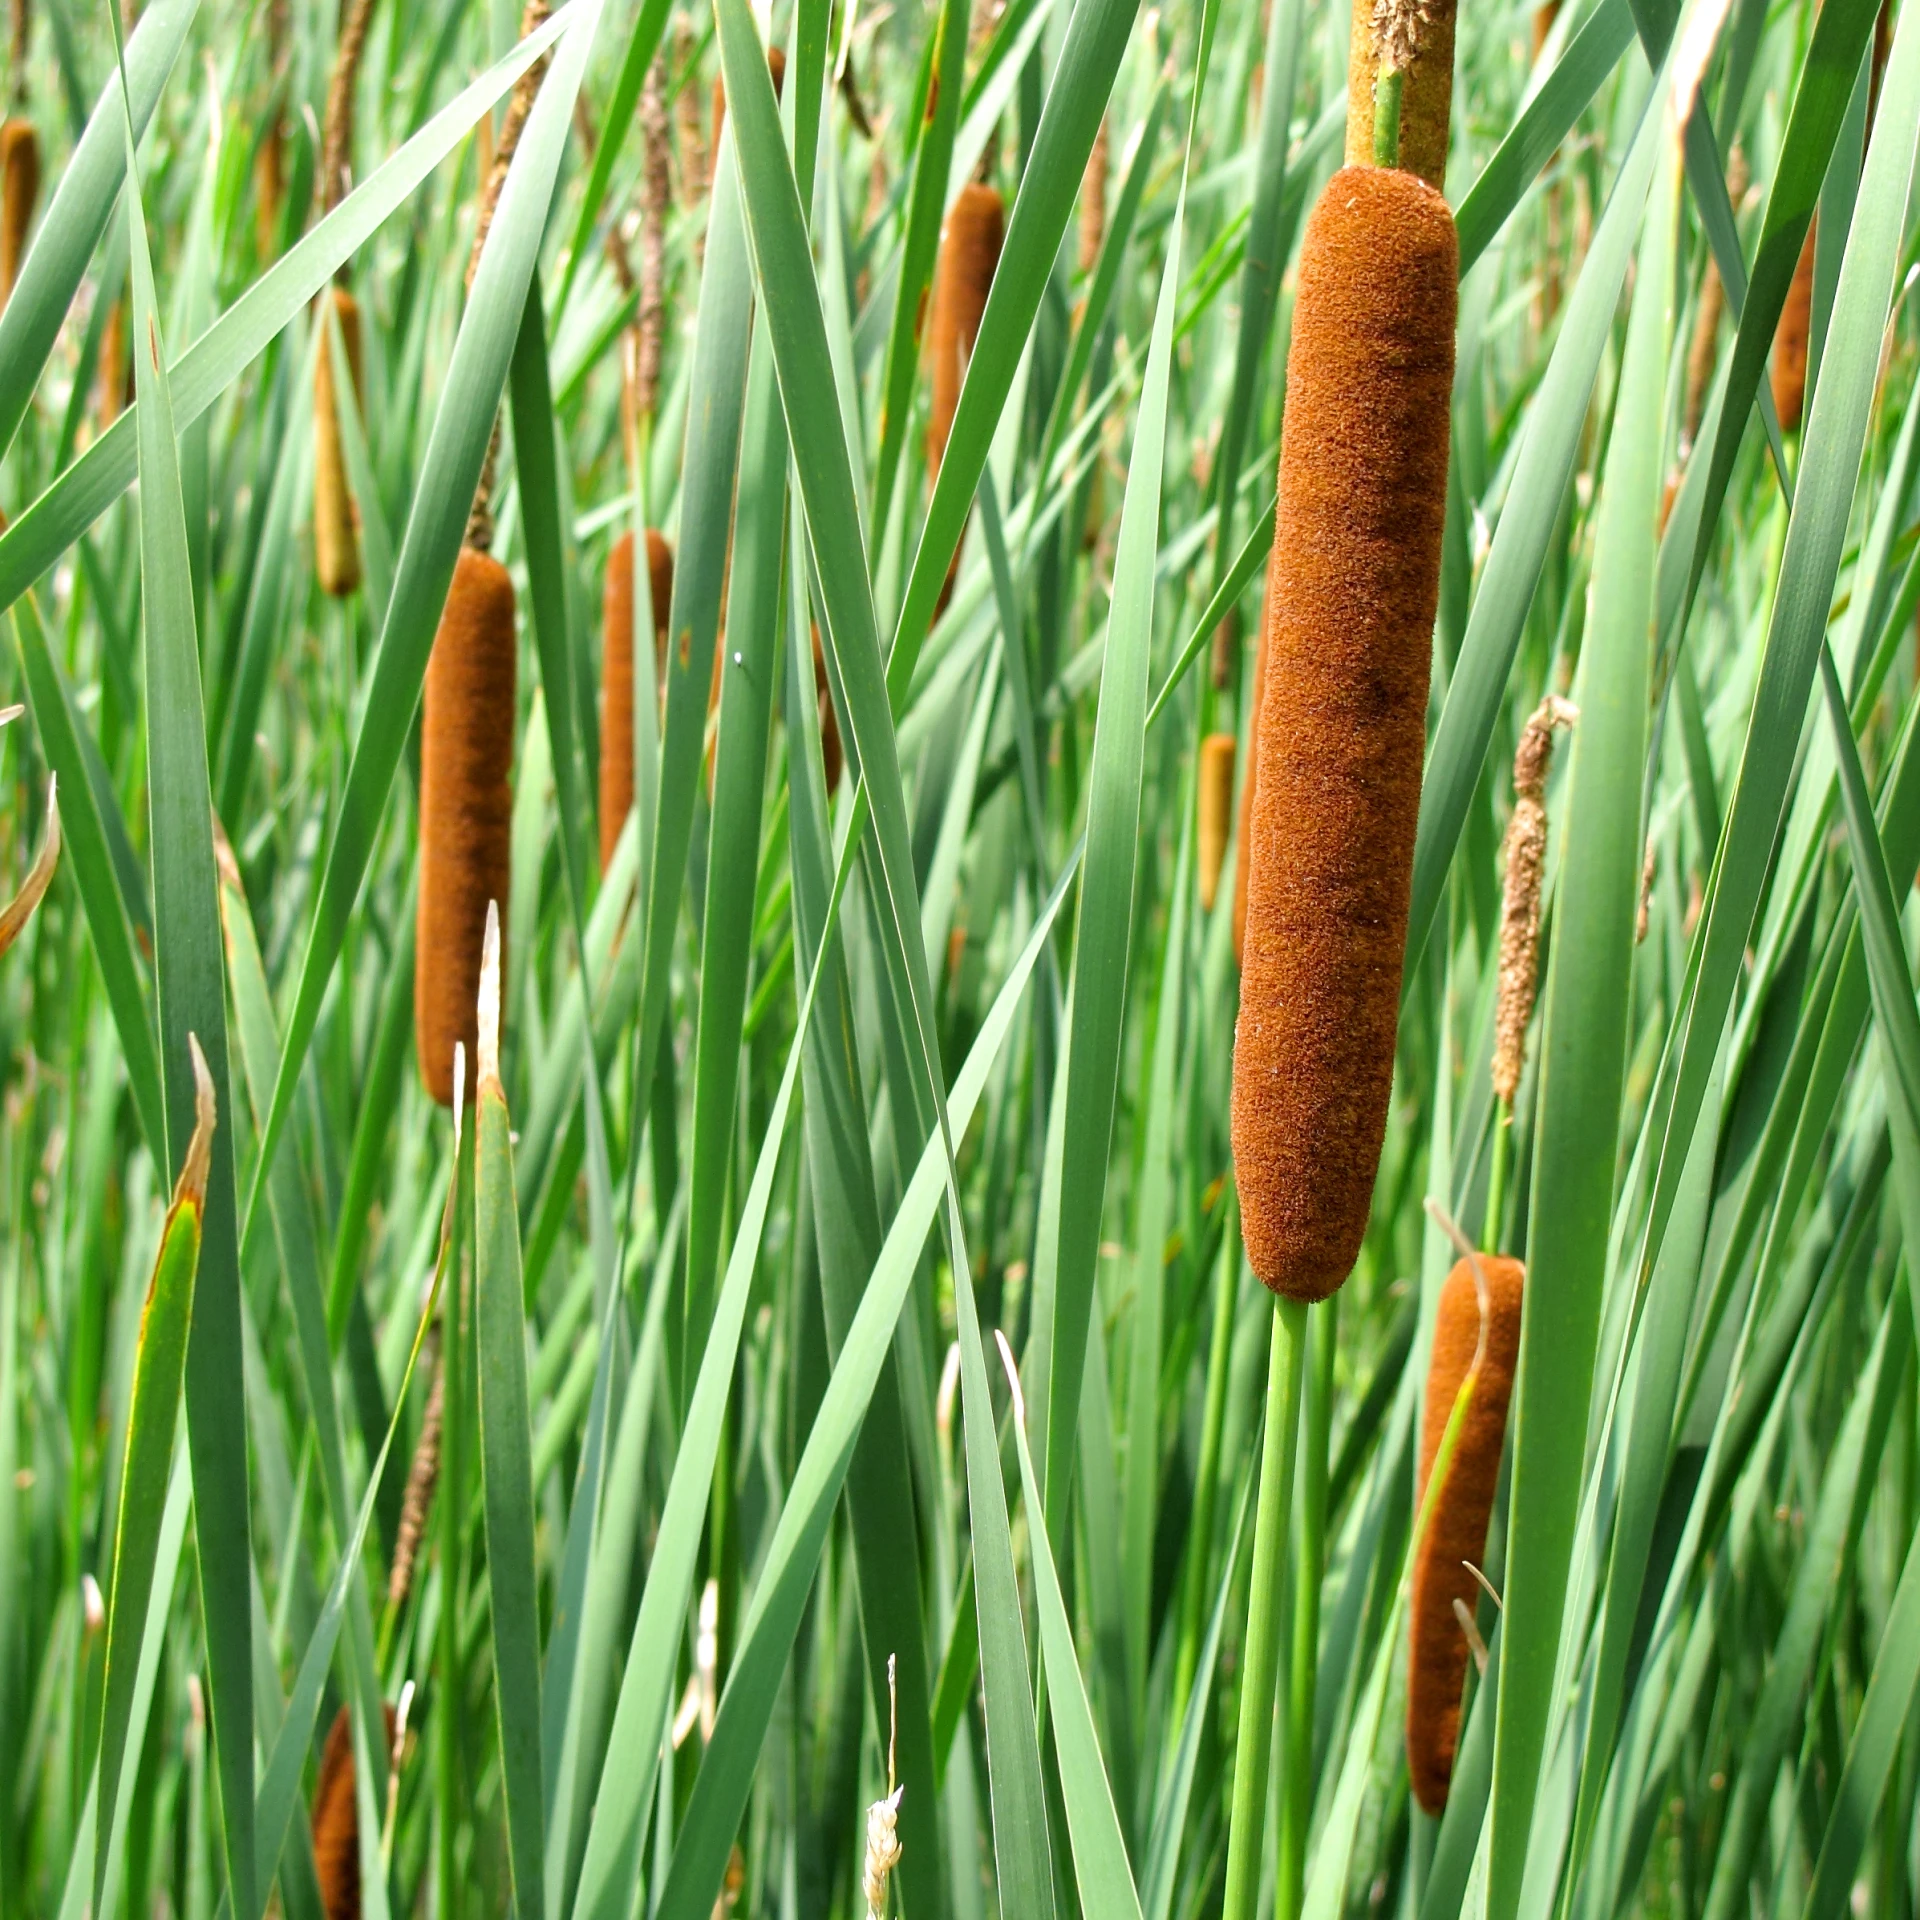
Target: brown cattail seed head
(336, 1822)
(422, 1476)
(1791, 340)
(1415, 37)
(969, 252)
(1355, 582)
(336, 545)
(1702, 350)
(1093, 203)
(1526, 858)
(466, 809)
(19, 190)
(831, 752)
(1457, 1531)
(1216, 810)
(616, 675)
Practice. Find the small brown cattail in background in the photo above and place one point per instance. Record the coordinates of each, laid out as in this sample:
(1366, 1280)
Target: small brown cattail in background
(616, 675)
(336, 1821)
(1792, 339)
(1703, 349)
(1526, 860)
(1093, 203)
(963, 276)
(1426, 104)
(336, 545)
(1216, 811)
(831, 752)
(19, 191)
(113, 376)
(1444, 1589)
(466, 809)
(270, 156)
(776, 65)
(692, 142)
(1355, 582)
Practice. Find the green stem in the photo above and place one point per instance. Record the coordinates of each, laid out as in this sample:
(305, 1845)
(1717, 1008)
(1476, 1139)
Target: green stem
(1497, 1174)
(1386, 116)
(1260, 1656)
(1296, 1790)
(1193, 1601)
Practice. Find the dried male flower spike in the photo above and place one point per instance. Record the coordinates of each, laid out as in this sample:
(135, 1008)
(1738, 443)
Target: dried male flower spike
(1470, 1331)
(1526, 860)
(1792, 338)
(1414, 38)
(616, 675)
(1216, 811)
(466, 808)
(336, 1820)
(19, 191)
(1355, 584)
(336, 543)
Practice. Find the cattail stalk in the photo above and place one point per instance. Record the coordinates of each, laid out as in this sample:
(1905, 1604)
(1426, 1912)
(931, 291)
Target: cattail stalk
(1354, 589)
(1793, 338)
(423, 1475)
(616, 675)
(1476, 1335)
(1216, 811)
(656, 194)
(963, 276)
(1411, 45)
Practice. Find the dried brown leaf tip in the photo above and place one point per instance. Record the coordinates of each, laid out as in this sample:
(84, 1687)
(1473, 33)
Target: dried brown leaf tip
(19, 910)
(192, 1184)
(1399, 27)
(1526, 857)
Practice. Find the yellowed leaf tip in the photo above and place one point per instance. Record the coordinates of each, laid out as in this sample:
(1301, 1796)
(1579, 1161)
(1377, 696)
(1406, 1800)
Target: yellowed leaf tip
(19, 910)
(489, 1009)
(192, 1184)
(8, 715)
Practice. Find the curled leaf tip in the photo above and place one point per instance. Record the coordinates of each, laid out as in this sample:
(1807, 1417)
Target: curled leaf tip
(8, 715)
(192, 1184)
(489, 1010)
(19, 910)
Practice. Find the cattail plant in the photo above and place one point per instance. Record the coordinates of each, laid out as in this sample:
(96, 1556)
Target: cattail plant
(616, 675)
(1093, 203)
(1355, 582)
(19, 160)
(336, 1821)
(969, 253)
(1793, 337)
(1216, 810)
(1476, 1332)
(336, 545)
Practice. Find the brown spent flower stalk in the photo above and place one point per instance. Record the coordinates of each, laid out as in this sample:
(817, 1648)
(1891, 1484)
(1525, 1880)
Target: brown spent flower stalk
(1415, 38)
(1477, 1330)
(1792, 338)
(423, 1474)
(336, 1820)
(1217, 753)
(1526, 860)
(616, 675)
(962, 279)
(336, 543)
(831, 752)
(1354, 586)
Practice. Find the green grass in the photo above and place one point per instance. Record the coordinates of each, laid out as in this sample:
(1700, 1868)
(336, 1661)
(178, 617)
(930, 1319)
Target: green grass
(842, 1276)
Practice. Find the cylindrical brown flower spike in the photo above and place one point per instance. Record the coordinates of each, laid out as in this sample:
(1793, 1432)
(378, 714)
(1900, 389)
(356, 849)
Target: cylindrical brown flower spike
(1456, 1534)
(19, 190)
(831, 753)
(1216, 811)
(1791, 340)
(466, 809)
(969, 253)
(336, 1821)
(336, 545)
(616, 675)
(1355, 583)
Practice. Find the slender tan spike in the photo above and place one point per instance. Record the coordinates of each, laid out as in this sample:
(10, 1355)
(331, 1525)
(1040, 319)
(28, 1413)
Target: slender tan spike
(1355, 584)
(466, 809)
(1792, 338)
(1216, 810)
(336, 542)
(1455, 1539)
(336, 1821)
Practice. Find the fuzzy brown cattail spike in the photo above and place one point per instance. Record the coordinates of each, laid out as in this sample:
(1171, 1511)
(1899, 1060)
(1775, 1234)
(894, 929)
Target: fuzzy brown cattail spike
(1792, 338)
(1216, 811)
(1093, 203)
(1526, 856)
(1355, 583)
(1243, 858)
(19, 190)
(466, 809)
(776, 66)
(336, 1821)
(616, 675)
(1415, 38)
(336, 544)
(1469, 1329)
(969, 253)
